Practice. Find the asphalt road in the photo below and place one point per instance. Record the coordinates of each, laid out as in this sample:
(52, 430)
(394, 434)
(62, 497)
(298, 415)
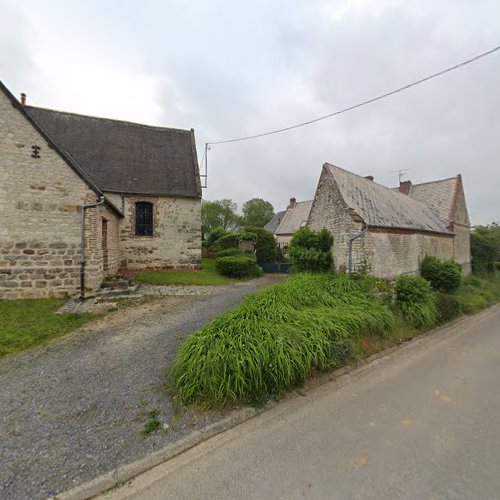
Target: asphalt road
(422, 423)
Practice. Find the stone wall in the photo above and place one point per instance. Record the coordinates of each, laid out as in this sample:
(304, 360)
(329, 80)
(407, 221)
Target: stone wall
(330, 211)
(461, 228)
(176, 240)
(391, 253)
(39, 198)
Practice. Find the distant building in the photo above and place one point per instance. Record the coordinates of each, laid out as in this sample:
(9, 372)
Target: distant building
(284, 224)
(395, 228)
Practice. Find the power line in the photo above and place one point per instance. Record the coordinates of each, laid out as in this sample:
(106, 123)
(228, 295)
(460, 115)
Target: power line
(364, 103)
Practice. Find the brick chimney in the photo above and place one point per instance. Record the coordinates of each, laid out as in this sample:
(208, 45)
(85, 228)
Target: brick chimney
(369, 177)
(404, 187)
(23, 99)
(292, 204)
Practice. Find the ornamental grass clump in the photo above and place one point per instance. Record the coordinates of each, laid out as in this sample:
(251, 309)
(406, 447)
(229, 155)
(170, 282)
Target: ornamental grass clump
(415, 300)
(275, 339)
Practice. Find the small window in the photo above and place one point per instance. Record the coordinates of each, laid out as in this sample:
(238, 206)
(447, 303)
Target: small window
(144, 219)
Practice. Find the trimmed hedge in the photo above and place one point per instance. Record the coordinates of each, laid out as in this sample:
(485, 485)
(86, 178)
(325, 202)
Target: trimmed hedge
(310, 251)
(238, 266)
(414, 299)
(443, 276)
(228, 252)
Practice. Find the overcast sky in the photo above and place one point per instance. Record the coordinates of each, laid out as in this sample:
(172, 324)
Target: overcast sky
(229, 68)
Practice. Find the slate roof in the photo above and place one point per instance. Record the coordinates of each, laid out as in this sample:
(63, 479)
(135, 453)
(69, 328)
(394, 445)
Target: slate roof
(380, 206)
(273, 224)
(438, 194)
(295, 218)
(125, 157)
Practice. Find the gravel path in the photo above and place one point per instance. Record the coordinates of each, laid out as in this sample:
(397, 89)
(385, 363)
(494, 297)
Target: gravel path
(74, 409)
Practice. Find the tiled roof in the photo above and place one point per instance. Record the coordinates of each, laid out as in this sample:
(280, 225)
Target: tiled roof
(125, 157)
(273, 224)
(438, 195)
(295, 218)
(380, 206)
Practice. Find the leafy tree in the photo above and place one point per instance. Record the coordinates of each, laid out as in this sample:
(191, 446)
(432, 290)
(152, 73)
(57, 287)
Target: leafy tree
(219, 214)
(485, 247)
(257, 212)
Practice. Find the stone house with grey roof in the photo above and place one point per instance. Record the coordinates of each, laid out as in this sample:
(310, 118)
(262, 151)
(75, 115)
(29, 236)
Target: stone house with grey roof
(390, 231)
(284, 224)
(82, 198)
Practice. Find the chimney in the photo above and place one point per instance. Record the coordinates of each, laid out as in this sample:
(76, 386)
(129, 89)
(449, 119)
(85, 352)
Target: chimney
(404, 187)
(23, 99)
(293, 202)
(369, 177)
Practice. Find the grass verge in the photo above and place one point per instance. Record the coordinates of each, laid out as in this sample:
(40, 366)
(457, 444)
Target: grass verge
(205, 276)
(26, 323)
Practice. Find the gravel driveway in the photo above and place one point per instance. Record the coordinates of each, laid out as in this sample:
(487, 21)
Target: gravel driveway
(74, 409)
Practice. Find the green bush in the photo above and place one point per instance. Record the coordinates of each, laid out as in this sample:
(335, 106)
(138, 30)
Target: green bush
(238, 266)
(265, 244)
(414, 299)
(477, 293)
(274, 339)
(214, 235)
(448, 306)
(443, 276)
(228, 252)
(310, 251)
(232, 240)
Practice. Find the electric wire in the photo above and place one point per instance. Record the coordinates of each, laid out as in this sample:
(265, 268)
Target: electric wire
(363, 103)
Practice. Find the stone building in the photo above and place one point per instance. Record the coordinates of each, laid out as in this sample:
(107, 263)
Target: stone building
(284, 224)
(83, 197)
(391, 230)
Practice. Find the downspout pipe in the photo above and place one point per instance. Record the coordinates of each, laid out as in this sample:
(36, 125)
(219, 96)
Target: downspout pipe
(350, 247)
(83, 208)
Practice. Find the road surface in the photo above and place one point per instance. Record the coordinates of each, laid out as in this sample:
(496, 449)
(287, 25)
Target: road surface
(422, 423)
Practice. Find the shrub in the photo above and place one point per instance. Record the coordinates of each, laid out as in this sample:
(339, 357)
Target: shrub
(310, 251)
(414, 299)
(227, 252)
(232, 240)
(274, 339)
(477, 293)
(238, 266)
(443, 276)
(215, 234)
(448, 307)
(265, 244)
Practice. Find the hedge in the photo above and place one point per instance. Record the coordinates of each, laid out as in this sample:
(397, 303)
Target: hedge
(443, 276)
(238, 266)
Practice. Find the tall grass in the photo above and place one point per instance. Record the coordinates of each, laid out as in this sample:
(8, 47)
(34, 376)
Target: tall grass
(276, 338)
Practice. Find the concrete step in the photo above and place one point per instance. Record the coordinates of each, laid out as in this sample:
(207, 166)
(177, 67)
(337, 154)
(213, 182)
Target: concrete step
(115, 292)
(107, 298)
(118, 283)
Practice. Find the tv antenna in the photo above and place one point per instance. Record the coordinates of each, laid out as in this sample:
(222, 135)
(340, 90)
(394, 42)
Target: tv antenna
(401, 172)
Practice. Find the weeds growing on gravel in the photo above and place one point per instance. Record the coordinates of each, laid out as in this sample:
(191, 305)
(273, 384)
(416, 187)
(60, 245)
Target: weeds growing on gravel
(276, 338)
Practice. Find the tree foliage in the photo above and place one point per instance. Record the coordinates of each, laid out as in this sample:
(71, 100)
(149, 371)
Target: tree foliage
(265, 244)
(219, 214)
(310, 251)
(257, 212)
(485, 247)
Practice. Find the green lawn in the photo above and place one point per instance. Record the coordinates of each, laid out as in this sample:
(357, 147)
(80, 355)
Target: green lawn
(206, 276)
(29, 322)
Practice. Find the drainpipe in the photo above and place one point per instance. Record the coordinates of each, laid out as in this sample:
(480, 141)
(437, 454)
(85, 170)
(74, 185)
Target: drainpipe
(82, 244)
(350, 247)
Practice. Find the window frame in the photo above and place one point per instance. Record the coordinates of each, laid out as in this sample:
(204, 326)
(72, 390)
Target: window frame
(144, 228)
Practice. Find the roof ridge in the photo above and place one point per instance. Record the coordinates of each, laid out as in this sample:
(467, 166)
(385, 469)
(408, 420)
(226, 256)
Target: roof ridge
(434, 182)
(127, 122)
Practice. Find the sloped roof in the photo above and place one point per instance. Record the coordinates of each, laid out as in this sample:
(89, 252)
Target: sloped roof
(125, 157)
(295, 218)
(380, 206)
(438, 195)
(273, 224)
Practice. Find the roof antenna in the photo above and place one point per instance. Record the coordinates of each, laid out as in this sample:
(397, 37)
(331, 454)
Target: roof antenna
(401, 172)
